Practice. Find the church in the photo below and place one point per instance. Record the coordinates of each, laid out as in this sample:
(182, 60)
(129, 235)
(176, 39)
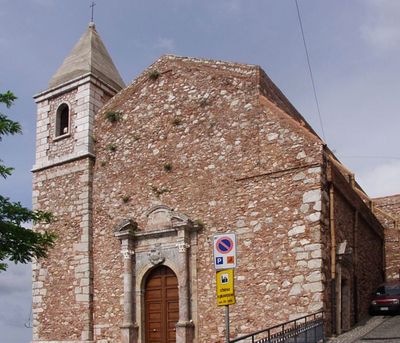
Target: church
(140, 178)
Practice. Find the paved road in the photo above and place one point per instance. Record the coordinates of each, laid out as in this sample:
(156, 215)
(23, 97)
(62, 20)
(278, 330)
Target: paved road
(376, 329)
(387, 332)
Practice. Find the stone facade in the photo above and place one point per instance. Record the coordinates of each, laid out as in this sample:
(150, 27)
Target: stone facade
(237, 165)
(356, 245)
(197, 148)
(387, 210)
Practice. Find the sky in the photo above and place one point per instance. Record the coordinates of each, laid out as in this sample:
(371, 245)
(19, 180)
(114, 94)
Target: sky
(354, 49)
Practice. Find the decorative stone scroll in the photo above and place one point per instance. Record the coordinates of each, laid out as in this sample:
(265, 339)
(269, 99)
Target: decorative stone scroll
(126, 253)
(182, 246)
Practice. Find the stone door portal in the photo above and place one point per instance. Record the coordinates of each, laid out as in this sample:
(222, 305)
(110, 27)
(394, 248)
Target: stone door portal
(155, 258)
(161, 305)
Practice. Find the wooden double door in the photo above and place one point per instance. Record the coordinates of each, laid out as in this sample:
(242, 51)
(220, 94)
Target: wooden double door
(161, 306)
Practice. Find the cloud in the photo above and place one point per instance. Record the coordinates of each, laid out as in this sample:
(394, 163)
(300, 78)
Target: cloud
(3, 42)
(45, 3)
(231, 5)
(382, 27)
(382, 180)
(16, 279)
(225, 6)
(15, 303)
(15, 316)
(165, 44)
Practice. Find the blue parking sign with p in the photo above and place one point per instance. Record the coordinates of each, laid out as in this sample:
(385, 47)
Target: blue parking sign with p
(224, 249)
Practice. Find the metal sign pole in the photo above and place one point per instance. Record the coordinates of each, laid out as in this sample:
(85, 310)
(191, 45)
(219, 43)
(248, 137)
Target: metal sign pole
(227, 329)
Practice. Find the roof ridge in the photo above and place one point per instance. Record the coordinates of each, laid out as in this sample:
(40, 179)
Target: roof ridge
(206, 60)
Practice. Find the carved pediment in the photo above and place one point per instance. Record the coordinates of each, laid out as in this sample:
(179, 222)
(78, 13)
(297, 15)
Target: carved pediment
(163, 217)
(125, 227)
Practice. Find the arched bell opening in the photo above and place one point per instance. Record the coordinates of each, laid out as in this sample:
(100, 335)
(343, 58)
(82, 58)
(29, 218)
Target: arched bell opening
(62, 120)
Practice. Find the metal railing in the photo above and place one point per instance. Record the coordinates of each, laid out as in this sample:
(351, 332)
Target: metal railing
(307, 329)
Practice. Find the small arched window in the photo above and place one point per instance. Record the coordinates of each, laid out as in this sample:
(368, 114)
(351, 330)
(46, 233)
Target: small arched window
(62, 120)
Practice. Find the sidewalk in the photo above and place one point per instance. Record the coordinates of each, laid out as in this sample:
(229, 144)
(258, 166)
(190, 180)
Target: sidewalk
(358, 332)
(387, 332)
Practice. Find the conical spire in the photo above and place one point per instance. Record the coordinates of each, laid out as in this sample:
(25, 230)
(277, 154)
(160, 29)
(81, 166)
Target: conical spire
(89, 55)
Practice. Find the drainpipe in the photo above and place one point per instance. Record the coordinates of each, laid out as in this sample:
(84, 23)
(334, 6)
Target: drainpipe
(333, 254)
(355, 268)
(333, 232)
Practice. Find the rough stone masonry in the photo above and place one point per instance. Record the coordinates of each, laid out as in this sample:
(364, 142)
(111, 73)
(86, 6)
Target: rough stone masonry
(190, 149)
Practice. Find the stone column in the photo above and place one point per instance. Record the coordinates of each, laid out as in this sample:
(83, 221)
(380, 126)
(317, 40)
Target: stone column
(128, 332)
(184, 327)
(128, 326)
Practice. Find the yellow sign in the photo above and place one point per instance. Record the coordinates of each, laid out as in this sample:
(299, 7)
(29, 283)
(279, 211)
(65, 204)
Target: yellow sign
(225, 299)
(225, 282)
(225, 289)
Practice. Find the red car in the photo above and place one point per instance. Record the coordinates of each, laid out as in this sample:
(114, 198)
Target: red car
(386, 299)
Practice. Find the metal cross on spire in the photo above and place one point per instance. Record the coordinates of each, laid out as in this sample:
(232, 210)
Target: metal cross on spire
(92, 6)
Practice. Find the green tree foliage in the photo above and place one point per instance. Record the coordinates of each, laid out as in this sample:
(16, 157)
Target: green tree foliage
(17, 243)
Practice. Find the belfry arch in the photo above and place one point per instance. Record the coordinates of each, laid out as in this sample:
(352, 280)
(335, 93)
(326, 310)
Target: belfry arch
(164, 243)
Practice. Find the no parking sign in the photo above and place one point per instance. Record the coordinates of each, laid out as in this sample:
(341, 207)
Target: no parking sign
(225, 251)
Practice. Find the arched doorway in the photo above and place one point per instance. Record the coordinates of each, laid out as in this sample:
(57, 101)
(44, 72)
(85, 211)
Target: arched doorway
(161, 305)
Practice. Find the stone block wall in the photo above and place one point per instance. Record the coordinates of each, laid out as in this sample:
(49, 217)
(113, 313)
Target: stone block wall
(84, 97)
(62, 293)
(344, 215)
(370, 262)
(201, 138)
(46, 129)
(219, 143)
(388, 212)
(361, 263)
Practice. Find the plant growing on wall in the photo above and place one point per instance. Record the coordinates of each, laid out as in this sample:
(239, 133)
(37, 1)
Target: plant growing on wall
(94, 139)
(168, 167)
(159, 191)
(199, 223)
(126, 198)
(177, 121)
(204, 102)
(113, 116)
(111, 147)
(154, 75)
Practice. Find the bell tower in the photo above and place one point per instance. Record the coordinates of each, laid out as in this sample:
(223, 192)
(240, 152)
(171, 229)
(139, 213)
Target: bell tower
(84, 82)
(62, 184)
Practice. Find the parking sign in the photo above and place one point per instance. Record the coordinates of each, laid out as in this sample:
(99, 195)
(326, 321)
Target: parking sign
(225, 251)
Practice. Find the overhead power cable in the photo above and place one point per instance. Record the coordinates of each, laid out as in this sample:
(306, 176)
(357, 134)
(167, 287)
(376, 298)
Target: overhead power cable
(370, 157)
(310, 70)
